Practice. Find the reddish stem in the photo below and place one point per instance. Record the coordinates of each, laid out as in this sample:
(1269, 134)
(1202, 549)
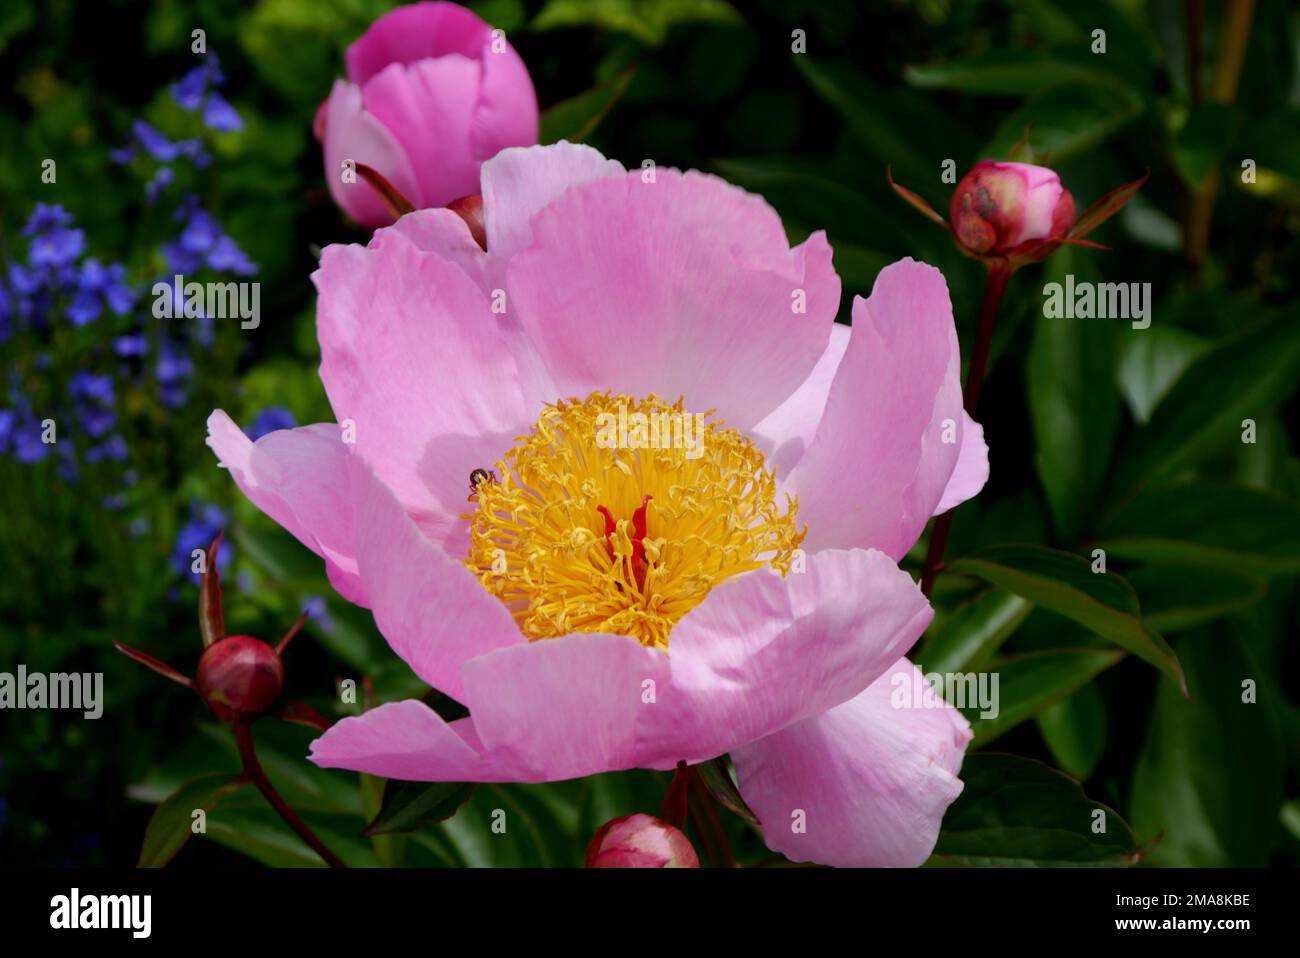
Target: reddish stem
(999, 272)
(253, 769)
(675, 803)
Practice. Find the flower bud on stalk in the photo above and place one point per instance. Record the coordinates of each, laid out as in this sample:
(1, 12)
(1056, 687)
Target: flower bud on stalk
(240, 675)
(1010, 214)
(1008, 207)
(640, 841)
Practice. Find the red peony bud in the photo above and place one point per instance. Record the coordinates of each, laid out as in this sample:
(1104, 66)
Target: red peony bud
(240, 675)
(1002, 209)
(640, 841)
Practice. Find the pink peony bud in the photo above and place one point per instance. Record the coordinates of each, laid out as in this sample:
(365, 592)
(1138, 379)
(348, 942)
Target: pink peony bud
(240, 675)
(1006, 208)
(640, 841)
(432, 92)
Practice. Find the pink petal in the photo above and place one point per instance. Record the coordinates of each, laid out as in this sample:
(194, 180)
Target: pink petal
(972, 468)
(353, 134)
(298, 477)
(431, 609)
(872, 780)
(408, 741)
(506, 113)
(429, 107)
(443, 232)
(786, 431)
(519, 182)
(762, 652)
(877, 467)
(684, 286)
(759, 653)
(412, 355)
(565, 707)
(414, 32)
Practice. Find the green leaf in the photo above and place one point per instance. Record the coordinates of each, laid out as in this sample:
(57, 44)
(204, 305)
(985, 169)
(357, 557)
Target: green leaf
(1203, 413)
(1030, 683)
(1005, 73)
(576, 118)
(1201, 143)
(1210, 773)
(408, 806)
(1074, 404)
(1066, 584)
(518, 826)
(170, 825)
(716, 776)
(647, 20)
(1215, 524)
(1151, 362)
(1066, 121)
(1178, 597)
(262, 835)
(973, 632)
(1018, 812)
(867, 113)
(1075, 731)
(281, 556)
(282, 750)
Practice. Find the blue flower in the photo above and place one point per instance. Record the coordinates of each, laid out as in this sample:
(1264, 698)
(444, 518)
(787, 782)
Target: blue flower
(180, 260)
(8, 425)
(114, 447)
(25, 282)
(163, 177)
(132, 344)
(206, 520)
(200, 233)
(188, 91)
(158, 146)
(84, 309)
(227, 257)
(173, 395)
(174, 365)
(220, 115)
(57, 247)
(318, 612)
(97, 421)
(45, 218)
(28, 444)
(270, 419)
(92, 386)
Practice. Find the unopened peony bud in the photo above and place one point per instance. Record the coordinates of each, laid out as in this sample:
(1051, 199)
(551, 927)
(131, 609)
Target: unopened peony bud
(240, 675)
(432, 92)
(1005, 208)
(640, 841)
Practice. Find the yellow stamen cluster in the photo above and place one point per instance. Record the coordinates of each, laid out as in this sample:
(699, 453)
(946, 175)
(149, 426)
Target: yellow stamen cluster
(538, 539)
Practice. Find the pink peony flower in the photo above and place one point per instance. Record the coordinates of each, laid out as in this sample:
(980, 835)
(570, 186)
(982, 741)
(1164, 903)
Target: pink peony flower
(433, 92)
(1000, 207)
(602, 604)
(640, 841)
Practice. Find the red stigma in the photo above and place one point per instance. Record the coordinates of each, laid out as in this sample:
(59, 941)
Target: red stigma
(639, 565)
